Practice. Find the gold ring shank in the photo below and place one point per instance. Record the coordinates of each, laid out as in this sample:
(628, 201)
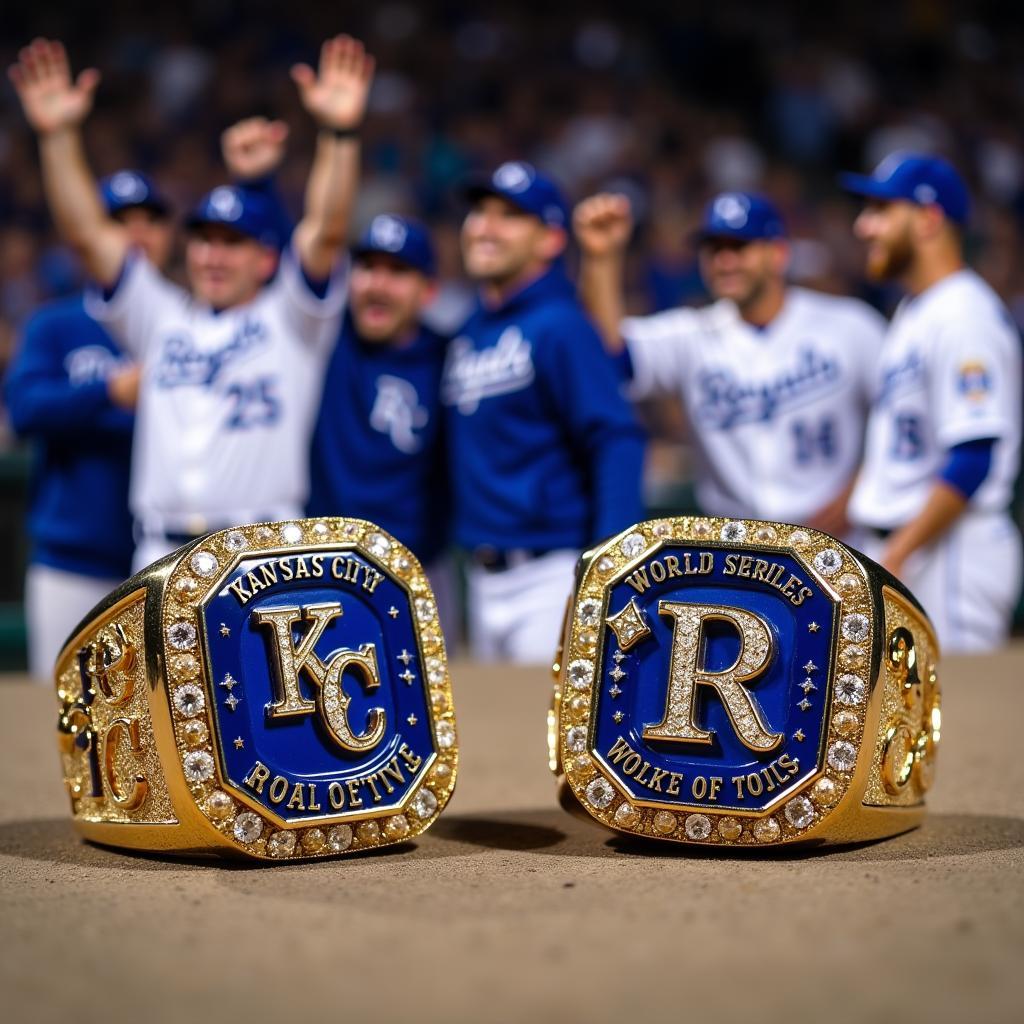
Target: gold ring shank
(882, 718)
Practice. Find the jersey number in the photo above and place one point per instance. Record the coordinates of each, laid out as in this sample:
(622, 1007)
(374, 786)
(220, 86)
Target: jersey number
(908, 439)
(814, 441)
(254, 404)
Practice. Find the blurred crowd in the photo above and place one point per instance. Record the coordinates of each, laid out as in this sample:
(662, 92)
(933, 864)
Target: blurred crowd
(667, 105)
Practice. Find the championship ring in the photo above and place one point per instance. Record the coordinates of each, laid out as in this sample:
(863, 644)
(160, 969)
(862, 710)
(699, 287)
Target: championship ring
(741, 683)
(277, 691)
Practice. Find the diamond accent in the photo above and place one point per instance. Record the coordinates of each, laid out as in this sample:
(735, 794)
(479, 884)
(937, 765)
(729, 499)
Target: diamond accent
(799, 812)
(856, 626)
(186, 586)
(600, 793)
(697, 826)
(730, 828)
(605, 564)
(194, 732)
(850, 689)
(581, 673)
(576, 739)
(766, 830)
(219, 805)
(232, 701)
(828, 562)
(228, 682)
(807, 685)
(848, 583)
(626, 816)
(733, 531)
(203, 563)
(618, 717)
(291, 533)
(810, 667)
(368, 832)
(702, 529)
(248, 827)
(632, 544)
(614, 691)
(189, 700)
(378, 545)
(804, 705)
(845, 723)
(424, 804)
(281, 844)
(425, 610)
(314, 840)
(617, 674)
(852, 656)
(842, 756)
(629, 625)
(339, 839)
(765, 534)
(235, 540)
(435, 671)
(396, 827)
(320, 529)
(181, 635)
(824, 792)
(589, 612)
(197, 766)
(445, 732)
(664, 822)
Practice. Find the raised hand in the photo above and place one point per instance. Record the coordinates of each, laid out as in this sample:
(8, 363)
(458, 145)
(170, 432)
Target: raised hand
(602, 224)
(253, 148)
(49, 97)
(336, 94)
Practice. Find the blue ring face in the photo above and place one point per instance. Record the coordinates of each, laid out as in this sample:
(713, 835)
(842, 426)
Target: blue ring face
(320, 699)
(670, 722)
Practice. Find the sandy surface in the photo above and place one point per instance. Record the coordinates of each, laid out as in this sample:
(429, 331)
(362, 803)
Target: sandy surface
(510, 910)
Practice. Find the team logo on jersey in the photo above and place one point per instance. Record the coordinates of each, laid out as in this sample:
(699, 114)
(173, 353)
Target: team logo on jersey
(91, 363)
(726, 400)
(974, 381)
(471, 374)
(183, 364)
(905, 375)
(319, 687)
(397, 412)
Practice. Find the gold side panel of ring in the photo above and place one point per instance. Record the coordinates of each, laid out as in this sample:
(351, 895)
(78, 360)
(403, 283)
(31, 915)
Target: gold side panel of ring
(903, 766)
(108, 751)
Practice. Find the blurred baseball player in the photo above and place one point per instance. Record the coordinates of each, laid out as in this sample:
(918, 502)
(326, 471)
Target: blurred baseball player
(943, 445)
(545, 453)
(70, 390)
(775, 380)
(231, 373)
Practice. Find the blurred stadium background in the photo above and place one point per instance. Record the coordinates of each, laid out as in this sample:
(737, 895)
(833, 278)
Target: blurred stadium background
(668, 102)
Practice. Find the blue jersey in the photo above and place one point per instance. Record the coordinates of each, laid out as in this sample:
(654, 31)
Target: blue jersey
(56, 391)
(378, 451)
(545, 451)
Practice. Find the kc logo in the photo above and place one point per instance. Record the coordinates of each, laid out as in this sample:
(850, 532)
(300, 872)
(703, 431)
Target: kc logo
(332, 701)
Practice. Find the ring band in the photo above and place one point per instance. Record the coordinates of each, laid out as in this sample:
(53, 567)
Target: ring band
(743, 683)
(276, 691)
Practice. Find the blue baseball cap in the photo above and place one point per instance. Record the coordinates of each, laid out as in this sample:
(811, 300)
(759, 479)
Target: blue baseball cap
(915, 178)
(523, 186)
(247, 212)
(406, 240)
(743, 215)
(126, 189)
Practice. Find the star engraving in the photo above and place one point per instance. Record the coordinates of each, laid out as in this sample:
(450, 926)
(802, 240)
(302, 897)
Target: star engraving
(619, 657)
(810, 666)
(807, 685)
(225, 630)
(629, 625)
(614, 692)
(813, 627)
(804, 705)
(405, 657)
(799, 736)
(407, 676)
(239, 743)
(393, 612)
(228, 682)
(617, 673)
(232, 701)
(412, 719)
(618, 717)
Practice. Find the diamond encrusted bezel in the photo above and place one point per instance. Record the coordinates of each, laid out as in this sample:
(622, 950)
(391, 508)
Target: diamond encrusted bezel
(606, 567)
(224, 805)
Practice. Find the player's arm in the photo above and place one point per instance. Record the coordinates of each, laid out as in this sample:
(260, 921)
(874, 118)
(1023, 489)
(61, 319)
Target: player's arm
(967, 466)
(832, 518)
(602, 225)
(56, 106)
(335, 96)
(44, 402)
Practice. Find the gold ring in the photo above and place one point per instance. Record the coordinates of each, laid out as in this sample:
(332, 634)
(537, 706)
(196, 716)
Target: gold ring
(275, 691)
(743, 683)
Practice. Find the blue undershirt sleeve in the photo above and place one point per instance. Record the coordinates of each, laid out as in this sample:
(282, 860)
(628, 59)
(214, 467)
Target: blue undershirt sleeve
(968, 464)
